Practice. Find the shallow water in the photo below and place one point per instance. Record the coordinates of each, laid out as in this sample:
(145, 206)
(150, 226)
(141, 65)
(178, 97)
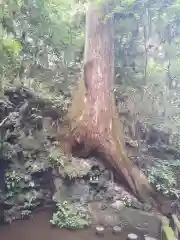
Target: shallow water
(38, 228)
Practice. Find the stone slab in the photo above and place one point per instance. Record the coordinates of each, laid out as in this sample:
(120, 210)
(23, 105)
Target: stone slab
(145, 221)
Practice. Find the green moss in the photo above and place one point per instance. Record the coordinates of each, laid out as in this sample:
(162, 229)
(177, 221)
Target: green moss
(70, 168)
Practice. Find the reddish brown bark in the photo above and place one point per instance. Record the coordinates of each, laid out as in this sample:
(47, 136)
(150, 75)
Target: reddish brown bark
(93, 117)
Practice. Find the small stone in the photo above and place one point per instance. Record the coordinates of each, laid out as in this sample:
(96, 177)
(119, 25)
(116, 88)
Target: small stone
(149, 238)
(117, 229)
(132, 236)
(118, 205)
(99, 230)
(117, 188)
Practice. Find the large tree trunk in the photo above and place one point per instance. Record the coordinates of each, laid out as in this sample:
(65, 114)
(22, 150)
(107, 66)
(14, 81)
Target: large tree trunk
(93, 118)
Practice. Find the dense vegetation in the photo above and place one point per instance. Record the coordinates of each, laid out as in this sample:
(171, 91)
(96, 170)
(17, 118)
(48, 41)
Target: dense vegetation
(147, 51)
(41, 48)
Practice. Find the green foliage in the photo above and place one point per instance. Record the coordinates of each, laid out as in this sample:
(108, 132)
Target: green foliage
(12, 181)
(56, 157)
(163, 175)
(69, 167)
(68, 216)
(25, 214)
(9, 46)
(8, 151)
(21, 190)
(30, 200)
(30, 46)
(16, 181)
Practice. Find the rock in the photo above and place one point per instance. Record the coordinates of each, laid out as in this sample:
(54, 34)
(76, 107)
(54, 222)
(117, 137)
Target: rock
(57, 195)
(21, 199)
(118, 188)
(99, 230)
(131, 143)
(19, 94)
(132, 236)
(149, 238)
(144, 221)
(110, 192)
(58, 183)
(39, 195)
(108, 217)
(136, 204)
(74, 191)
(117, 229)
(118, 205)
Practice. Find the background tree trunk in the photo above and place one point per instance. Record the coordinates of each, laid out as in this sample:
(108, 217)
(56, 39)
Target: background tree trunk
(94, 122)
(2, 181)
(2, 190)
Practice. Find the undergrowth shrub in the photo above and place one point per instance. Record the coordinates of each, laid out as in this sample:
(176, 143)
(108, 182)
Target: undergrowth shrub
(68, 216)
(163, 175)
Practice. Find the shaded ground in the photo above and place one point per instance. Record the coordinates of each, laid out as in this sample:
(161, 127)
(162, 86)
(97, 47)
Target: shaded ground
(38, 228)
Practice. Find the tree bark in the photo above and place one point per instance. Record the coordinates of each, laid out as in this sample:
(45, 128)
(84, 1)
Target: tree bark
(93, 119)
